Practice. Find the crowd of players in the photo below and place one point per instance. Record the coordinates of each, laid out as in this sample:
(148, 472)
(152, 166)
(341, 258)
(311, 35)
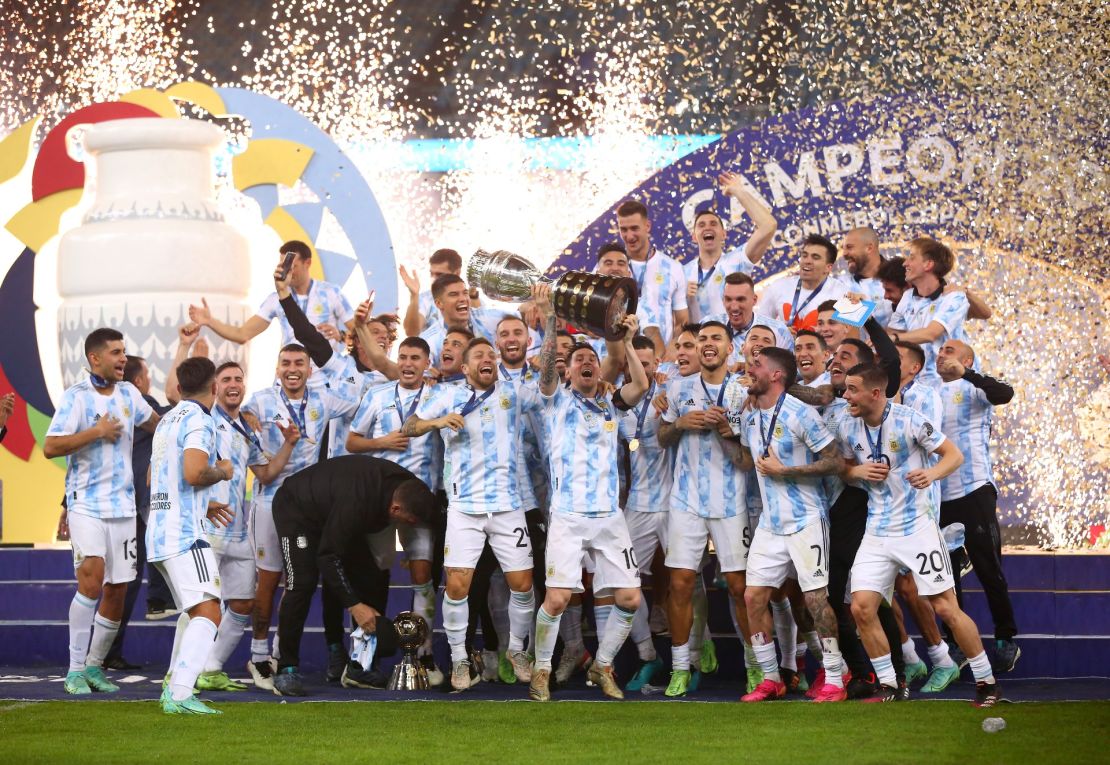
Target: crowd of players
(829, 477)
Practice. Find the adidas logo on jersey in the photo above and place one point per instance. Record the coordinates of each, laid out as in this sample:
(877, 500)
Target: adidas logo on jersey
(859, 448)
(939, 578)
(818, 572)
(688, 402)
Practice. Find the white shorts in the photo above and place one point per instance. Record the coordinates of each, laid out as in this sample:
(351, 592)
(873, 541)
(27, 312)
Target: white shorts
(649, 533)
(193, 576)
(687, 535)
(573, 538)
(507, 533)
(923, 552)
(235, 561)
(264, 536)
(112, 539)
(776, 557)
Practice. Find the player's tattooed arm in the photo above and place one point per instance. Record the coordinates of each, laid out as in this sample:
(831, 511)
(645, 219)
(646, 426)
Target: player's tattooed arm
(822, 395)
(668, 434)
(415, 427)
(549, 378)
(738, 454)
(828, 463)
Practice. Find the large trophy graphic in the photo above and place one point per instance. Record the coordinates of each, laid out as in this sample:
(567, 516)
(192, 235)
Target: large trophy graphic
(409, 674)
(594, 302)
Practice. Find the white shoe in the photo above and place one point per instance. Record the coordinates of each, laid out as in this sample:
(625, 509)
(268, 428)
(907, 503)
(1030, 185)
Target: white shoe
(489, 666)
(570, 663)
(522, 665)
(262, 674)
(435, 677)
(463, 675)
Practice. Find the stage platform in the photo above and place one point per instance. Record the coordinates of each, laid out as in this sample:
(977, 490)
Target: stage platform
(1062, 601)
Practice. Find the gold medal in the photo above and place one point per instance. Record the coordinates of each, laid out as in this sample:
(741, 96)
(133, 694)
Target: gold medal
(610, 426)
(634, 444)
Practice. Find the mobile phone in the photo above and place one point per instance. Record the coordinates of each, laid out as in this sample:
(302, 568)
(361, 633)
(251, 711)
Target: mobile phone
(287, 264)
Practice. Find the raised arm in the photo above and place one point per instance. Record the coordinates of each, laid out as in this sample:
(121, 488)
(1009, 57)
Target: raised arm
(633, 390)
(414, 322)
(243, 333)
(268, 473)
(186, 336)
(318, 347)
(765, 223)
(887, 352)
(378, 358)
(549, 378)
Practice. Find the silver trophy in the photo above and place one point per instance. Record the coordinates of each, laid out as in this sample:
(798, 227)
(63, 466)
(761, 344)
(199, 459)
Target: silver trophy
(595, 302)
(409, 674)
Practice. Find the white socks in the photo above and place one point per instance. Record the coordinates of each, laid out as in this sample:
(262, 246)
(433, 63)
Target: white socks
(938, 655)
(103, 635)
(196, 644)
(680, 657)
(884, 670)
(601, 621)
(616, 632)
(178, 635)
(260, 649)
(909, 652)
(522, 609)
(833, 662)
(82, 610)
(786, 632)
(456, 613)
(764, 649)
(228, 635)
(981, 668)
(424, 603)
(547, 632)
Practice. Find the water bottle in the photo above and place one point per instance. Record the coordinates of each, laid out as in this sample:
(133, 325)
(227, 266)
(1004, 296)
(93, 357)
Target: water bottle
(994, 724)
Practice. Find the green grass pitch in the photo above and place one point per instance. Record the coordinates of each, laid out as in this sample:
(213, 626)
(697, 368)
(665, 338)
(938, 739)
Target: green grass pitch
(499, 732)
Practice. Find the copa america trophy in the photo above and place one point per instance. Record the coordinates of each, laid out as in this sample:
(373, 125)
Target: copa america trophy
(409, 674)
(595, 302)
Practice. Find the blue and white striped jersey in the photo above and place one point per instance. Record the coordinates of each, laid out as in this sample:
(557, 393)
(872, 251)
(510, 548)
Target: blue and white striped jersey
(384, 410)
(583, 454)
(99, 482)
(949, 309)
(783, 337)
(345, 380)
(649, 487)
(662, 286)
(924, 398)
(872, 288)
(711, 283)
(706, 483)
(311, 412)
(967, 420)
(533, 479)
(832, 415)
(178, 509)
(795, 437)
(324, 304)
(427, 308)
(907, 439)
(479, 471)
(483, 323)
(822, 379)
(238, 443)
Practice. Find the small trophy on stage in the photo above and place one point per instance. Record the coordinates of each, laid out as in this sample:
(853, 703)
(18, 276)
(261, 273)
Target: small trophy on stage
(409, 674)
(587, 301)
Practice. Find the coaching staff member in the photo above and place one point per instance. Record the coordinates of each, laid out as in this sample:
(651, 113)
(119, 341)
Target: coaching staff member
(323, 515)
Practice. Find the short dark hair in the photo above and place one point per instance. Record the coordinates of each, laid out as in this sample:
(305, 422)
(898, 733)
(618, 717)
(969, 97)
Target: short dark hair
(767, 327)
(416, 499)
(739, 277)
(99, 338)
(460, 331)
(826, 305)
(612, 247)
(893, 270)
(784, 360)
(874, 376)
(863, 350)
(563, 333)
(631, 207)
(915, 350)
(132, 368)
(303, 251)
(691, 326)
(442, 282)
(713, 323)
(583, 346)
(446, 257)
(294, 348)
(194, 375)
(708, 211)
(228, 365)
(931, 249)
(474, 343)
(642, 343)
(810, 333)
(418, 343)
(830, 248)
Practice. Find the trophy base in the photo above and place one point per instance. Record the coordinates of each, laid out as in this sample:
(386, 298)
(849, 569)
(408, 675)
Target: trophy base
(409, 675)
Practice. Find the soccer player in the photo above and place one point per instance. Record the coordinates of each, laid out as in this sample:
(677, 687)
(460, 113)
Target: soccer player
(927, 314)
(480, 424)
(645, 509)
(810, 354)
(93, 428)
(231, 546)
(322, 302)
(860, 248)
(739, 316)
(794, 299)
(450, 367)
(422, 309)
(661, 282)
(969, 495)
(585, 512)
(376, 430)
(324, 514)
(705, 274)
(895, 443)
(183, 466)
(834, 332)
(795, 451)
(292, 400)
(612, 260)
(452, 298)
(706, 498)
